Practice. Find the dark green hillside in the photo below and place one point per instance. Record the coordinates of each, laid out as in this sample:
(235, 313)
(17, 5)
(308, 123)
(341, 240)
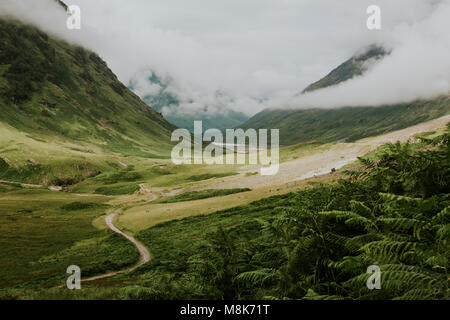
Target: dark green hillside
(55, 91)
(347, 124)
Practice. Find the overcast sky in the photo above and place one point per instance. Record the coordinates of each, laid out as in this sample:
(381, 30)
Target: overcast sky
(261, 53)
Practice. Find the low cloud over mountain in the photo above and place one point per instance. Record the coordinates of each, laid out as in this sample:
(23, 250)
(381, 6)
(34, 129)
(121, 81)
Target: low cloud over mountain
(259, 54)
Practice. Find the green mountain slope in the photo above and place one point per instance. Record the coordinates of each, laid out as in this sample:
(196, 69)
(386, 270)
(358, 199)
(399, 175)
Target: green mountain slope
(51, 89)
(62, 108)
(347, 123)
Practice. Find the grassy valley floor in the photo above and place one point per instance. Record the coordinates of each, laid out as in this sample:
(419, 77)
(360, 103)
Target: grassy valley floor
(45, 231)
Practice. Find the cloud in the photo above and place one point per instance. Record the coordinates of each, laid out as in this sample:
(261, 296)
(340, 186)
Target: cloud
(247, 55)
(417, 68)
(49, 16)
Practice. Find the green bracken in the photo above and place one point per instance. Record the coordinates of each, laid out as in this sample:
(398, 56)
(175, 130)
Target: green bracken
(204, 194)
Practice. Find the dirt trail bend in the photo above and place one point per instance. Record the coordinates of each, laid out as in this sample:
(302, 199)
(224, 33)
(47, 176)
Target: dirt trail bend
(144, 253)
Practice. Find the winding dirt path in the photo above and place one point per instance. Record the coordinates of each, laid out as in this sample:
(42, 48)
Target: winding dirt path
(23, 185)
(145, 254)
(51, 188)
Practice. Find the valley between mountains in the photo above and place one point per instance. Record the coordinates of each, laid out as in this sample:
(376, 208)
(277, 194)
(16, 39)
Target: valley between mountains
(87, 179)
(320, 166)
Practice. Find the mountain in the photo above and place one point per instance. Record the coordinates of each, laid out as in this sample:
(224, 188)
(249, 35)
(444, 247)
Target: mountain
(61, 106)
(62, 4)
(50, 88)
(355, 66)
(167, 103)
(226, 120)
(347, 123)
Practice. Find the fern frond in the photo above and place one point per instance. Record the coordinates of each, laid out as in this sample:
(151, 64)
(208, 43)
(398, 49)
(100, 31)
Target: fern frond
(419, 294)
(360, 208)
(442, 217)
(405, 225)
(390, 251)
(347, 264)
(355, 243)
(399, 280)
(351, 218)
(389, 197)
(443, 232)
(437, 262)
(336, 239)
(256, 277)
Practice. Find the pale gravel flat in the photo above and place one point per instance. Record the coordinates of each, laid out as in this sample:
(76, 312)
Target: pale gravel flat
(321, 163)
